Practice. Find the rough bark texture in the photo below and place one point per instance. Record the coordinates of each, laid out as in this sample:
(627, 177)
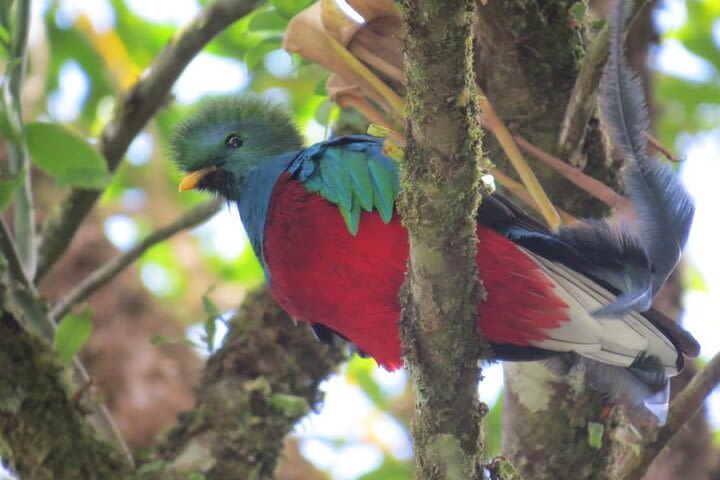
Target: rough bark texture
(529, 55)
(252, 392)
(263, 379)
(440, 184)
(43, 432)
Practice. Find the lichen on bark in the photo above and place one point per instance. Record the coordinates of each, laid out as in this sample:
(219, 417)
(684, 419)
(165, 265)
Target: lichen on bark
(440, 180)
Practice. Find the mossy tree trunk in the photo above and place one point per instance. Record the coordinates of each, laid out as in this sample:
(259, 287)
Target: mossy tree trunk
(440, 180)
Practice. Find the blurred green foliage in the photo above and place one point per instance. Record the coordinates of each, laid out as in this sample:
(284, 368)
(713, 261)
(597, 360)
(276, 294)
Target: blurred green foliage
(691, 105)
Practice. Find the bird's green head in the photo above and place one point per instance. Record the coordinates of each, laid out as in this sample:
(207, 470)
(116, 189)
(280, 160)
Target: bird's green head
(226, 138)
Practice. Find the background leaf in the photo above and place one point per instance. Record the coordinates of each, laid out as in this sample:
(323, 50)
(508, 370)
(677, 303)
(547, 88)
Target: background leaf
(72, 333)
(65, 156)
(7, 187)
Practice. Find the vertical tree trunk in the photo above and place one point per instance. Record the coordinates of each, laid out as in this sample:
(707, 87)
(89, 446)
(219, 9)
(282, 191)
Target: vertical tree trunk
(440, 182)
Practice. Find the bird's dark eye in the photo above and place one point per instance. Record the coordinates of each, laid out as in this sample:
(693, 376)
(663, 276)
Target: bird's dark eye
(233, 141)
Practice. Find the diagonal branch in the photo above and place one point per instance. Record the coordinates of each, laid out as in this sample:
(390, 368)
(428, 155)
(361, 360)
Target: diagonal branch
(135, 109)
(589, 184)
(583, 98)
(683, 408)
(113, 267)
(12, 256)
(254, 388)
(23, 210)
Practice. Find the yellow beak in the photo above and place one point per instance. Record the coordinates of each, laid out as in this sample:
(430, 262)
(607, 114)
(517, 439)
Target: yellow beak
(191, 180)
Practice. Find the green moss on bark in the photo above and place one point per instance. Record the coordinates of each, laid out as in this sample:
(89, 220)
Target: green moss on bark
(43, 433)
(440, 179)
(252, 392)
(528, 57)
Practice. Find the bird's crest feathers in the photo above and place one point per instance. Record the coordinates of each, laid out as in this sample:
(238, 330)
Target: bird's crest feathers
(222, 111)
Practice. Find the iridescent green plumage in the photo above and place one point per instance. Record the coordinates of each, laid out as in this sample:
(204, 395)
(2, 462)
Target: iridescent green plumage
(353, 174)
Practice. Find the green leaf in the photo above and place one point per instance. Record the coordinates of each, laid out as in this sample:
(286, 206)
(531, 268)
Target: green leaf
(493, 427)
(4, 36)
(359, 371)
(72, 333)
(694, 280)
(595, 434)
(290, 8)
(65, 156)
(258, 52)
(7, 187)
(290, 405)
(268, 21)
(155, 466)
(391, 468)
(320, 89)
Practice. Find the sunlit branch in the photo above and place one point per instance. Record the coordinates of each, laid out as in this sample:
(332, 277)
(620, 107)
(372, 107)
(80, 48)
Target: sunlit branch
(111, 269)
(682, 409)
(131, 114)
(23, 210)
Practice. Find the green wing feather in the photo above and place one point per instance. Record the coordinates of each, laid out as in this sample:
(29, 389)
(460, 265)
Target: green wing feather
(352, 173)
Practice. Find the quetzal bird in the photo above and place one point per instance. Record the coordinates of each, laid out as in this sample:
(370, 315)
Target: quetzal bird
(323, 224)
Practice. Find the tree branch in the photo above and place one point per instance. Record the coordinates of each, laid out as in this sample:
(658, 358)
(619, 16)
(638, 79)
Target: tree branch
(253, 390)
(589, 184)
(23, 210)
(583, 98)
(440, 184)
(109, 270)
(44, 434)
(683, 408)
(20, 298)
(136, 108)
(12, 256)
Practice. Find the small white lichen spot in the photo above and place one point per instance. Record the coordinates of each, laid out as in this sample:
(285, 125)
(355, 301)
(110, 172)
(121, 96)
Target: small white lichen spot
(488, 183)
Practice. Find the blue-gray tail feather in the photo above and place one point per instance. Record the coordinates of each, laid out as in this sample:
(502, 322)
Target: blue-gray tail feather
(664, 209)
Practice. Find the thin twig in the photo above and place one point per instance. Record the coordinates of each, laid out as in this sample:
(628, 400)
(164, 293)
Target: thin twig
(23, 210)
(655, 143)
(12, 256)
(683, 408)
(113, 267)
(373, 59)
(136, 108)
(504, 137)
(589, 184)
